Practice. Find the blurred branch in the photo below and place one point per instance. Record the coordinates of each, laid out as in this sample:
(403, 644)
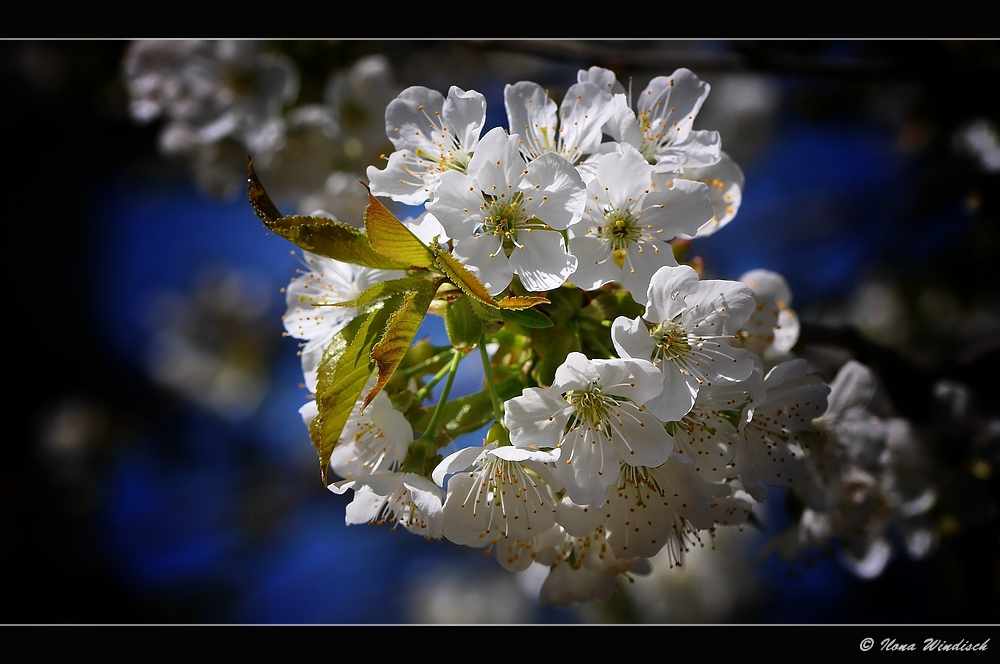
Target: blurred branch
(887, 59)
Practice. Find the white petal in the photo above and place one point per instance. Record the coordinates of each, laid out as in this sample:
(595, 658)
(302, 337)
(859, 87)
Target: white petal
(678, 395)
(485, 254)
(497, 165)
(584, 110)
(532, 115)
(638, 438)
(605, 78)
(631, 338)
(667, 291)
(536, 418)
(595, 267)
(554, 191)
(541, 261)
(465, 115)
(458, 205)
(679, 210)
(576, 373)
(456, 462)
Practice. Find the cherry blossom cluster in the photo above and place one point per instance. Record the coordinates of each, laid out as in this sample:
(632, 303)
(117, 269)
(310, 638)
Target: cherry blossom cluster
(642, 406)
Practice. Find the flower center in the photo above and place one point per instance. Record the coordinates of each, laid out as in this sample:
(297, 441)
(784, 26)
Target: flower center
(591, 408)
(504, 217)
(448, 160)
(635, 477)
(620, 229)
(671, 341)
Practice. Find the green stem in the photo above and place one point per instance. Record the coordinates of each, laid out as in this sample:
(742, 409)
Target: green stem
(416, 368)
(488, 370)
(436, 417)
(425, 390)
(595, 342)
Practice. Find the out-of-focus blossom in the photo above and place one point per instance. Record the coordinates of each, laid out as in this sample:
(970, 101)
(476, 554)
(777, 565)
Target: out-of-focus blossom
(867, 482)
(210, 345)
(980, 140)
(212, 89)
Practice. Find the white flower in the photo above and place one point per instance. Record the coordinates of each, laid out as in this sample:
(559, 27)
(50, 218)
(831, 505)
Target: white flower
(432, 135)
(725, 189)
(574, 132)
(660, 126)
(506, 215)
(592, 414)
(309, 315)
(582, 568)
(866, 477)
(773, 323)
(709, 435)
(627, 227)
(371, 442)
(682, 332)
(770, 449)
(497, 502)
(406, 499)
(653, 507)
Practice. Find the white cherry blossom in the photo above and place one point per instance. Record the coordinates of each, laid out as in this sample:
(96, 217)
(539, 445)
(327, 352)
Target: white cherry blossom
(683, 332)
(506, 215)
(581, 568)
(725, 189)
(659, 121)
(405, 499)
(770, 449)
(625, 233)
(432, 135)
(574, 132)
(661, 131)
(649, 507)
(308, 297)
(773, 323)
(496, 501)
(371, 442)
(592, 414)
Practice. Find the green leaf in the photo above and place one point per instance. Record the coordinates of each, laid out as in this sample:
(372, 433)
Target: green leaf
(334, 239)
(484, 312)
(261, 202)
(325, 237)
(390, 237)
(468, 413)
(384, 289)
(400, 329)
(343, 373)
(526, 317)
(461, 277)
(463, 325)
(519, 302)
